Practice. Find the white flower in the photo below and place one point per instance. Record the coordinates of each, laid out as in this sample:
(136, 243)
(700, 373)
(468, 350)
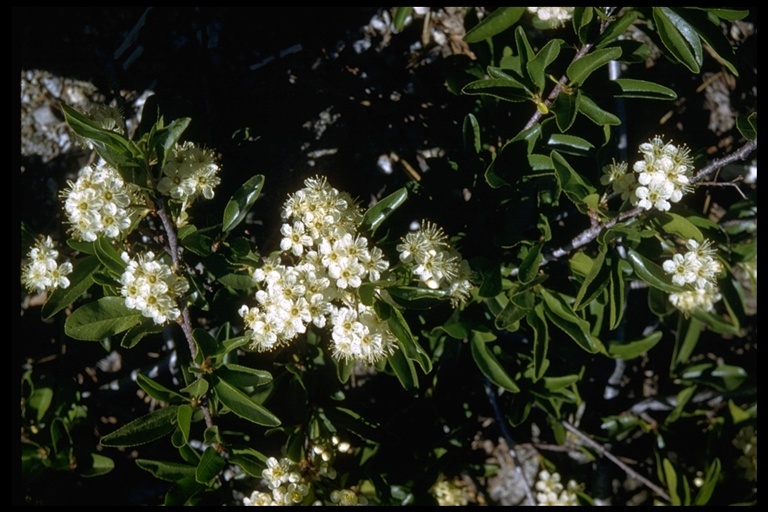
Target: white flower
(42, 272)
(150, 286)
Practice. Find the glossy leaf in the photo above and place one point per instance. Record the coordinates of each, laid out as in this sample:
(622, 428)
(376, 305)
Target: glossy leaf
(537, 66)
(166, 137)
(100, 319)
(595, 281)
(488, 364)
(565, 107)
(80, 279)
(716, 323)
(700, 24)
(211, 463)
(596, 114)
(471, 131)
(688, 333)
(501, 88)
(538, 324)
(109, 256)
(136, 333)
(497, 22)
(413, 297)
(616, 28)
(651, 272)
(207, 345)
(670, 477)
(582, 22)
(241, 202)
(616, 294)
(562, 315)
(112, 146)
(145, 429)
(582, 68)
(379, 212)
(158, 391)
(242, 282)
(241, 404)
(677, 225)
(407, 342)
(635, 348)
(573, 184)
(252, 461)
(243, 376)
(168, 471)
(184, 420)
(100, 465)
(529, 268)
(679, 38)
(634, 88)
(197, 389)
(711, 479)
(404, 370)
(747, 125)
(400, 16)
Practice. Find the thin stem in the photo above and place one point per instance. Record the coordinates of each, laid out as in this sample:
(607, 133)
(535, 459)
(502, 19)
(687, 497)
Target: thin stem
(608, 455)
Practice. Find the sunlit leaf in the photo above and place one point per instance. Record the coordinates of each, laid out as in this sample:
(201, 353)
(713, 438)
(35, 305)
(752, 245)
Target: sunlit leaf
(240, 203)
(497, 22)
(100, 319)
(679, 38)
(501, 88)
(538, 324)
(489, 365)
(211, 463)
(241, 404)
(158, 391)
(634, 88)
(580, 69)
(168, 471)
(378, 213)
(80, 279)
(632, 349)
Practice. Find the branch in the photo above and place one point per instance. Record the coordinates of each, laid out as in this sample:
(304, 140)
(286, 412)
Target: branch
(608, 455)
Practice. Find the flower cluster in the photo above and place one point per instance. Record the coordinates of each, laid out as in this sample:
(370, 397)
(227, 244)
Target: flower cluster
(42, 271)
(107, 117)
(552, 17)
(436, 265)
(291, 484)
(551, 492)
(331, 263)
(99, 203)
(698, 268)
(448, 494)
(659, 179)
(150, 286)
(190, 172)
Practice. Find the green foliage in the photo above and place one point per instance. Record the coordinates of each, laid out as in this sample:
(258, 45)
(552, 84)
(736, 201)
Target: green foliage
(562, 279)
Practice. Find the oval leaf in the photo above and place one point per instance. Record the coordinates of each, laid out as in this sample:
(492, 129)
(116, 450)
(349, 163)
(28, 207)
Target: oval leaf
(80, 280)
(100, 319)
(495, 23)
(144, 430)
(634, 348)
(379, 212)
(240, 203)
(651, 272)
(501, 88)
(634, 88)
(211, 463)
(243, 405)
(489, 365)
(168, 471)
(580, 70)
(674, 41)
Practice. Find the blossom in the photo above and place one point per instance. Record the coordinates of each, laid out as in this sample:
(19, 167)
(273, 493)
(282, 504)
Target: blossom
(42, 272)
(150, 286)
(99, 203)
(697, 268)
(663, 175)
(552, 17)
(190, 172)
(551, 492)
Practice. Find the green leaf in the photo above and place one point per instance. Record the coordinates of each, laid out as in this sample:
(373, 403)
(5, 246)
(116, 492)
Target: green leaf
(596, 114)
(100, 319)
(529, 268)
(112, 146)
(574, 185)
(747, 125)
(242, 282)
(80, 279)
(241, 404)
(679, 38)
(495, 23)
(407, 342)
(582, 22)
(197, 389)
(413, 297)
(184, 420)
(158, 391)
(711, 33)
(711, 479)
(634, 88)
(109, 256)
(343, 369)
(207, 345)
(211, 463)
(716, 323)
(616, 295)
(562, 315)
(488, 364)
(133, 335)
(538, 325)
(100, 465)
(616, 28)
(501, 88)
(650, 272)
(471, 132)
(398, 19)
(168, 471)
(537, 66)
(184, 493)
(166, 137)
(670, 477)
(565, 107)
(677, 225)
(595, 282)
(726, 14)
(570, 143)
(252, 461)
(145, 429)
(243, 376)
(379, 212)
(39, 401)
(580, 69)
(688, 332)
(635, 348)
(404, 370)
(240, 203)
